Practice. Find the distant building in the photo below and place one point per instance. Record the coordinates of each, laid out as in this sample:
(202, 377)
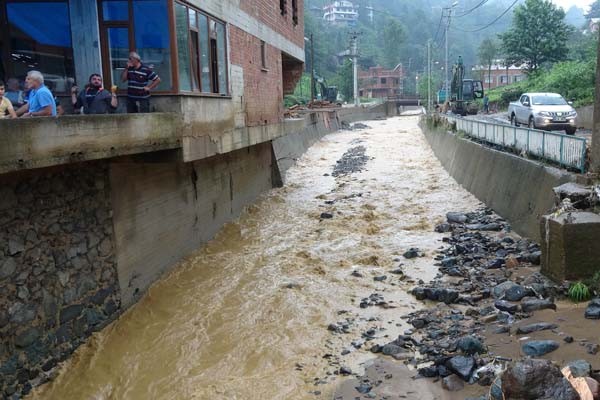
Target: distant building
(500, 75)
(378, 82)
(341, 12)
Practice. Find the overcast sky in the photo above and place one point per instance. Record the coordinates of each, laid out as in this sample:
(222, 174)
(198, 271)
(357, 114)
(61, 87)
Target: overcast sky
(566, 4)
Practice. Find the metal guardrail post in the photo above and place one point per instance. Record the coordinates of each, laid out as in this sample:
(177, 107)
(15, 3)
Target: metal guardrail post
(583, 148)
(562, 140)
(543, 144)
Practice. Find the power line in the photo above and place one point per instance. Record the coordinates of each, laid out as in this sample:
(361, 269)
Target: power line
(491, 23)
(438, 28)
(472, 9)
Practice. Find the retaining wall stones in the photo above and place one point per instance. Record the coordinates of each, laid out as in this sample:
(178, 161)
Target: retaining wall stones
(57, 268)
(518, 189)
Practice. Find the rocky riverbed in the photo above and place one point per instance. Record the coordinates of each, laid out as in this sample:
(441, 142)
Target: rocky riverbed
(493, 325)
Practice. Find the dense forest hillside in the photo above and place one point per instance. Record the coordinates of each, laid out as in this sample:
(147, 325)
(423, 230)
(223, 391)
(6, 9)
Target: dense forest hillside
(392, 32)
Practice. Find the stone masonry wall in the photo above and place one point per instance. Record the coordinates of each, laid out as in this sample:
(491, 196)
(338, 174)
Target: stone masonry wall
(58, 280)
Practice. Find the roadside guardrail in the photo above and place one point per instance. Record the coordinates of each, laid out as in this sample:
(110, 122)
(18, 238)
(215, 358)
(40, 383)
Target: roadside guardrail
(567, 151)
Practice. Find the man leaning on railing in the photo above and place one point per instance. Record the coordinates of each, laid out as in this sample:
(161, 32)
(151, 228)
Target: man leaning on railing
(40, 102)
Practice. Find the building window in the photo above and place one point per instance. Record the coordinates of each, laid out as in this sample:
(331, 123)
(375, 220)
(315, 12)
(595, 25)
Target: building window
(263, 55)
(282, 7)
(383, 81)
(202, 51)
(29, 42)
(295, 11)
(140, 25)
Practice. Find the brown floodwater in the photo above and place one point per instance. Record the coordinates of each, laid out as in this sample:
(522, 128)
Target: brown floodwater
(246, 316)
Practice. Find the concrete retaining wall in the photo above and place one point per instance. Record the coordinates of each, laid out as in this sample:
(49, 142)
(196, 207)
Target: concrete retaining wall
(518, 189)
(164, 211)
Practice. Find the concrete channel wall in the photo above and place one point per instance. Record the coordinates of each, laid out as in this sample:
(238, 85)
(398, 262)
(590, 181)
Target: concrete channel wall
(518, 189)
(83, 241)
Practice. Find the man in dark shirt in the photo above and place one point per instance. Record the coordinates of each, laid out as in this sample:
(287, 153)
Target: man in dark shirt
(140, 81)
(94, 98)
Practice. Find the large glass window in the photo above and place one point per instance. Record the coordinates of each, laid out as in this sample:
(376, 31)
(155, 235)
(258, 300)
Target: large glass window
(136, 25)
(151, 29)
(183, 47)
(115, 10)
(35, 43)
(202, 51)
(118, 44)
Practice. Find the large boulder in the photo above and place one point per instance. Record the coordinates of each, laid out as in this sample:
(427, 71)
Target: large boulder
(461, 366)
(536, 348)
(533, 379)
(593, 309)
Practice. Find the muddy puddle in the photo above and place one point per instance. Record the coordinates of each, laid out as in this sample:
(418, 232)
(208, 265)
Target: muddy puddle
(247, 315)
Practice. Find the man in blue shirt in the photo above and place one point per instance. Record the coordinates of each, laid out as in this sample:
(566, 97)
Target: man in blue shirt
(41, 101)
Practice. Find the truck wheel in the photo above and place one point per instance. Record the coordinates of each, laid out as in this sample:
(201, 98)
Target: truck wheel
(571, 130)
(513, 120)
(531, 124)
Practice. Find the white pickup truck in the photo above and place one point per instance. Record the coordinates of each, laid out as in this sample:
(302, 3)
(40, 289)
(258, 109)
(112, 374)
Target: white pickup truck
(547, 111)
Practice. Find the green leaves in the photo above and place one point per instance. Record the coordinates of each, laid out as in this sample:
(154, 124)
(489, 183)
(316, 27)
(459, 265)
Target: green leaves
(538, 34)
(579, 292)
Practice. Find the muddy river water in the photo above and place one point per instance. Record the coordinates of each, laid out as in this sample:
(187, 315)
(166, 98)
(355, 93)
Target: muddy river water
(246, 316)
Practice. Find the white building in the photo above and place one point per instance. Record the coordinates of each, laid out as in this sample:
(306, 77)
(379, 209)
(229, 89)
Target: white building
(341, 12)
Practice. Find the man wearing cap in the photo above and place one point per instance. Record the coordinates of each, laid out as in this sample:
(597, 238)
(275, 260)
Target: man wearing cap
(140, 81)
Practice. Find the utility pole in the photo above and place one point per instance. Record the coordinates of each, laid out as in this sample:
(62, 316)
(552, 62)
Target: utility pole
(449, 10)
(312, 69)
(429, 75)
(354, 55)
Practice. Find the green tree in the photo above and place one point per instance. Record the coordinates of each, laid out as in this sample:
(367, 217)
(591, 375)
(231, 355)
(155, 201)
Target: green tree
(423, 86)
(538, 34)
(487, 53)
(393, 37)
(594, 10)
(345, 80)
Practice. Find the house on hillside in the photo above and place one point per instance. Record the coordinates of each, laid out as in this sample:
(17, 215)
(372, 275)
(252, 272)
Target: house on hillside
(500, 75)
(378, 82)
(341, 13)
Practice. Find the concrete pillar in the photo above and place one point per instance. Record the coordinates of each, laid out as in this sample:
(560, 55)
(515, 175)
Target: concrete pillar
(86, 39)
(569, 245)
(595, 156)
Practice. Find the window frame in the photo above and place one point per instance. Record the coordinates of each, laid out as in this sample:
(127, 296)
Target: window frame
(263, 56)
(130, 25)
(6, 43)
(295, 12)
(209, 17)
(283, 7)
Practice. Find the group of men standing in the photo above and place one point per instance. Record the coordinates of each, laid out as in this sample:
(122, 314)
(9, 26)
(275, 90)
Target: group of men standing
(93, 99)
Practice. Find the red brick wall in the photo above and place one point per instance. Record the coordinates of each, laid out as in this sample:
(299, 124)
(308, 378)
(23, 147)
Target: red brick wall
(269, 13)
(263, 92)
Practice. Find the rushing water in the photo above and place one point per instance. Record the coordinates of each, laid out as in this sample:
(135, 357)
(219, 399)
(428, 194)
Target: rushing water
(246, 316)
